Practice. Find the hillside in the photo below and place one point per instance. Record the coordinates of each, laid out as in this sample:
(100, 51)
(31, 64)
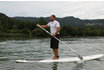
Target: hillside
(69, 21)
(70, 26)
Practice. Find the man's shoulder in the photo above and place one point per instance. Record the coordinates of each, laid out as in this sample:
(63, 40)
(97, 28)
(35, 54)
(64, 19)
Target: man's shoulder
(56, 21)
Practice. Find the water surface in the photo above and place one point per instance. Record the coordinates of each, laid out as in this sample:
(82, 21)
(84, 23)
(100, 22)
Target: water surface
(14, 48)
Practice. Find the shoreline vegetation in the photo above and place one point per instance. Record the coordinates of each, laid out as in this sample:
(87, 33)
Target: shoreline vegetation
(12, 27)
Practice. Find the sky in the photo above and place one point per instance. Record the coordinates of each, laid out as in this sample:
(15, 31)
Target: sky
(78, 9)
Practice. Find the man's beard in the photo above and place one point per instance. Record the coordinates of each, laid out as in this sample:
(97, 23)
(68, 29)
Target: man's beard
(51, 19)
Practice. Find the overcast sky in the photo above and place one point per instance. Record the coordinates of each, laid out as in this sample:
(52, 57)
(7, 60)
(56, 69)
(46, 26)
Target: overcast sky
(83, 9)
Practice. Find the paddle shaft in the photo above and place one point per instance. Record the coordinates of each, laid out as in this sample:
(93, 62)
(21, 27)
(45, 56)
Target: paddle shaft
(63, 43)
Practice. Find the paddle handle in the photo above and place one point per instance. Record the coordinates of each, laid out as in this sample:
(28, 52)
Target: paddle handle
(62, 43)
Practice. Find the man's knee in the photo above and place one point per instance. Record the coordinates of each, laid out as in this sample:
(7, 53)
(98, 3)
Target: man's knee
(55, 49)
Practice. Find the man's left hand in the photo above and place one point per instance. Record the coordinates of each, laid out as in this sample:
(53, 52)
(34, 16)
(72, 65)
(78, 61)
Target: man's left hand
(54, 35)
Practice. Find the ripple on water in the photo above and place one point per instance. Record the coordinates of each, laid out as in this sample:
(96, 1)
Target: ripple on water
(35, 49)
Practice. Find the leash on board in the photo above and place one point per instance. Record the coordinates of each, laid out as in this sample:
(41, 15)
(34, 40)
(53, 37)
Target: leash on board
(79, 56)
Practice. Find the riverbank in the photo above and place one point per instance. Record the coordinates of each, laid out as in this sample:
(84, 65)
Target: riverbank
(38, 36)
(11, 34)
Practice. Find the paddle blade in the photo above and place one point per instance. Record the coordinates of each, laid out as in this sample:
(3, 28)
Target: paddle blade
(80, 57)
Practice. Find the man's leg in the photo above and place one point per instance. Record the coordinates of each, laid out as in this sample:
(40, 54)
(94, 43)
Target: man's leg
(56, 56)
(55, 46)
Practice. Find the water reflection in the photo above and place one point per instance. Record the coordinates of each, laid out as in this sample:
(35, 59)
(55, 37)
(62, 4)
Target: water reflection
(79, 66)
(55, 64)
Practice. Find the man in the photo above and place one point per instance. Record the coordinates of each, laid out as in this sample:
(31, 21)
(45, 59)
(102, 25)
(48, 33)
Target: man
(54, 28)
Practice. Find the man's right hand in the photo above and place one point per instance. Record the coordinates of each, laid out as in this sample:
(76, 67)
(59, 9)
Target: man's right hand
(44, 26)
(38, 25)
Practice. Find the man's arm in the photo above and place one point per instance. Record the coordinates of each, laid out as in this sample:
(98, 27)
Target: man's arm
(44, 26)
(58, 30)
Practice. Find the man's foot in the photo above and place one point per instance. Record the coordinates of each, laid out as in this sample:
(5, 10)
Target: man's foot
(55, 58)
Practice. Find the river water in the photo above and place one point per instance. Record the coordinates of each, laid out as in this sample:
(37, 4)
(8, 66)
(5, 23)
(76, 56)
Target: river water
(14, 48)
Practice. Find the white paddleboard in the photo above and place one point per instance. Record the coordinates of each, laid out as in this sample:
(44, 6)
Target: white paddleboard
(70, 59)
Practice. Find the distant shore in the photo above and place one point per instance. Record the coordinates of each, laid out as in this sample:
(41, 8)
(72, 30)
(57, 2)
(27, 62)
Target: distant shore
(47, 36)
(11, 34)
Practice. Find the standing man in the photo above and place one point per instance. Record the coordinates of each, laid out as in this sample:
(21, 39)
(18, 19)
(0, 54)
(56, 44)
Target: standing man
(54, 28)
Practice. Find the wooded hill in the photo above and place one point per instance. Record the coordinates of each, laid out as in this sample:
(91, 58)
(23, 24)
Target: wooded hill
(70, 26)
(69, 21)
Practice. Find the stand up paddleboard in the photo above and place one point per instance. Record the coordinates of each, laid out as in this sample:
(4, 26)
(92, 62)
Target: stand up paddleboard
(70, 59)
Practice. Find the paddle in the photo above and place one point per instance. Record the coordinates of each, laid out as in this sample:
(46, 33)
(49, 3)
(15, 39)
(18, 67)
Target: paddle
(80, 57)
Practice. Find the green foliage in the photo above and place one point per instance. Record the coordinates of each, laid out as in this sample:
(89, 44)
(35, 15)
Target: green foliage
(29, 28)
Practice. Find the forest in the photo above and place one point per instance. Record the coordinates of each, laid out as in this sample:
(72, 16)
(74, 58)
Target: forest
(70, 26)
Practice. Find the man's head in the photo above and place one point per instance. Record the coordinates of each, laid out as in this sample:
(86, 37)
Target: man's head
(52, 17)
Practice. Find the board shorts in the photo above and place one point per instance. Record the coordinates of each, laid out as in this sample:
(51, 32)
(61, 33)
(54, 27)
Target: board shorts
(54, 44)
